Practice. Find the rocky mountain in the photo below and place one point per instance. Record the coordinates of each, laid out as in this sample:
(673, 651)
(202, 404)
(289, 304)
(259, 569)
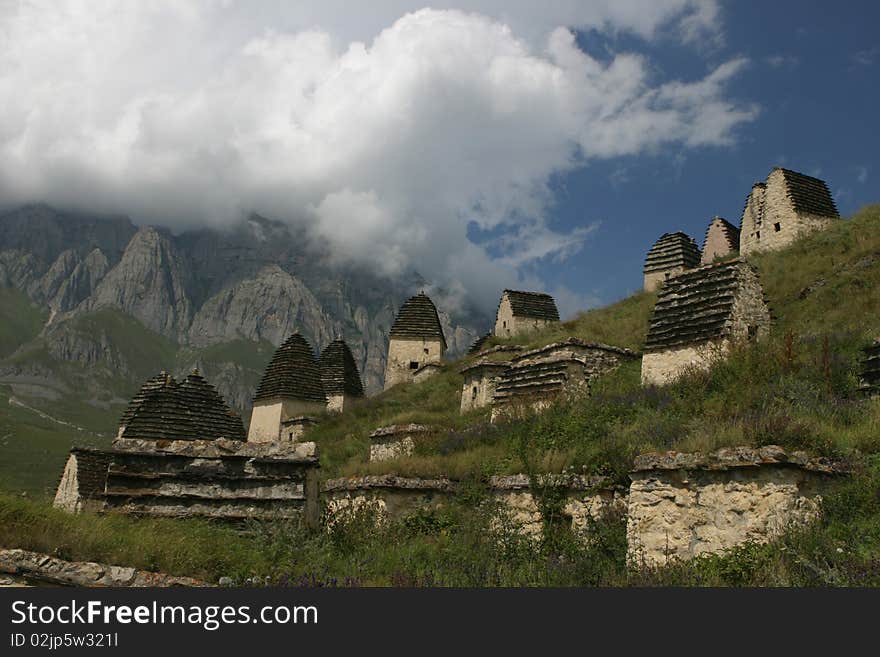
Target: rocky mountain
(118, 302)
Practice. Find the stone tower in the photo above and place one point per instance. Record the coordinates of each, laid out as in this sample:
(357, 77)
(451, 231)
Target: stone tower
(522, 312)
(416, 340)
(672, 254)
(722, 239)
(786, 207)
(290, 389)
(340, 376)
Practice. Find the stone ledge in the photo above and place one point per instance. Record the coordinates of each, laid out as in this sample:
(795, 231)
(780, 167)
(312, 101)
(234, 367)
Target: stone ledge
(498, 348)
(45, 568)
(572, 482)
(388, 481)
(737, 457)
(496, 483)
(382, 434)
(219, 448)
(577, 342)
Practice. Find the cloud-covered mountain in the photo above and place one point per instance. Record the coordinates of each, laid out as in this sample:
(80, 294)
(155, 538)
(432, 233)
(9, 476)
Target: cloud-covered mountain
(200, 292)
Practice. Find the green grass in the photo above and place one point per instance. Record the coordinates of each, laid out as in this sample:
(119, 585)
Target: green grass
(20, 320)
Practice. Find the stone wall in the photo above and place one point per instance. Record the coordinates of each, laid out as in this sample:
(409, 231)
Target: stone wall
(683, 505)
(662, 367)
(390, 497)
(217, 478)
(405, 356)
(81, 487)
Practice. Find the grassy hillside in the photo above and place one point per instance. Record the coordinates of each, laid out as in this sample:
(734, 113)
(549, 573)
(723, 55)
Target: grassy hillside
(798, 388)
(20, 320)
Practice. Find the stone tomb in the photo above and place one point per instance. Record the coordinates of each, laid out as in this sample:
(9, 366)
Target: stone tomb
(340, 377)
(523, 312)
(683, 505)
(226, 479)
(416, 340)
(535, 378)
(290, 388)
(480, 379)
(786, 207)
(672, 254)
(697, 317)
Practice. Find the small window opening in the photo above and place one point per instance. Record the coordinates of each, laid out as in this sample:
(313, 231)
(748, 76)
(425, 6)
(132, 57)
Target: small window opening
(426, 351)
(777, 227)
(413, 364)
(504, 324)
(758, 235)
(753, 332)
(474, 393)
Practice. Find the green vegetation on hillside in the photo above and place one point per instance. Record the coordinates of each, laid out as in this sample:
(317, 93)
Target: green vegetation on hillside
(20, 320)
(797, 389)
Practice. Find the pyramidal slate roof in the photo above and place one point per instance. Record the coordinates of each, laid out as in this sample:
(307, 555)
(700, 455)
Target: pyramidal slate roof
(293, 373)
(215, 419)
(731, 232)
(339, 372)
(418, 318)
(808, 194)
(672, 250)
(536, 305)
(479, 342)
(164, 409)
(695, 306)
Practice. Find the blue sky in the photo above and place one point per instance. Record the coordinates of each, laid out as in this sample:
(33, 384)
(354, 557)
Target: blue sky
(813, 73)
(485, 143)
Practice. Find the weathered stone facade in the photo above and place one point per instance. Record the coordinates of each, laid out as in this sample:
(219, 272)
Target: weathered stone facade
(294, 429)
(699, 315)
(416, 340)
(225, 479)
(340, 377)
(788, 206)
(524, 312)
(683, 505)
(398, 440)
(722, 239)
(426, 371)
(535, 378)
(670, 255)
(389, 497)
(584, 499)
(291, 387)
(480, 379)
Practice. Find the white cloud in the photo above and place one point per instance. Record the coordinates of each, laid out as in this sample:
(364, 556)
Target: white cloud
(862, 174)
(385, 133)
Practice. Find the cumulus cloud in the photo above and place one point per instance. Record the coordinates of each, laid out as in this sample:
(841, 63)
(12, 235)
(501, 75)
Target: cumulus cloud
(384, 132)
